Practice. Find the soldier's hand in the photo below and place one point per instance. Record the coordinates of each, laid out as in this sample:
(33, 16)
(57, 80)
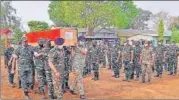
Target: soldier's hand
(131, 62)
(57, 74)
(12, 71)
(5, 66)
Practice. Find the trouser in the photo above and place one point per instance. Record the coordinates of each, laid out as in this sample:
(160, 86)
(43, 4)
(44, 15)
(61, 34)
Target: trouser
(19, 80)
(66, 79)
(10, 75)
(137, 67)
(33, 78)
(146, 68)
(127, 69)
(88, 64)
(96, 70)
(115, 66)
(159, 67)
(78, 82)
(26, 77)
(59, 86)
(49, 82)
(41, 79)
(103, 61)
(173, 65)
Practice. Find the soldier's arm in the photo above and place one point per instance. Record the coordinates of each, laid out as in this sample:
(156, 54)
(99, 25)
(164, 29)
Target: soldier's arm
(50, 62)
(82, 51)
(5, 58)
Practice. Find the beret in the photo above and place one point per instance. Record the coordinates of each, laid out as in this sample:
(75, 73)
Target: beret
(59, 41)
(82, 37)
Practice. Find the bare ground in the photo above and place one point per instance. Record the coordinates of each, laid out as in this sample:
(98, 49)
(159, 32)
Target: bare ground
(107, 87)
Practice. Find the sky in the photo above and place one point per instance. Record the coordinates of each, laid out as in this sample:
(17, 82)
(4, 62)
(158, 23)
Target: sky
(38, 10)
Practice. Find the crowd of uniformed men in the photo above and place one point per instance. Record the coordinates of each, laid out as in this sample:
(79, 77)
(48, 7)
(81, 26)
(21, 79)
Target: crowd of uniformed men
(53, 64)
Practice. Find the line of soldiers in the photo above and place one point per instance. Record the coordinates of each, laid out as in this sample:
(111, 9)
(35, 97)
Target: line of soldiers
(53, 64)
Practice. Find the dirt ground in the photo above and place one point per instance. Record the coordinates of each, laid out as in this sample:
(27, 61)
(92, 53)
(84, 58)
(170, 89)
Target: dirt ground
(107, 87)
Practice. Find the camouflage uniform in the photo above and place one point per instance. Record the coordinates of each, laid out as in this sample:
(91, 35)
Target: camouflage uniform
(39, 64)
(88, 59)
(57, 56)
(109, 54)
(102, 59)
(137, 67)
(126, 60)
(95, 65)
(173, 59)
(25, 58)
(48, 71)
(115, 61)
(67, 66)
(8, 54)
(146, 56)
(159, 56)
(78, 64)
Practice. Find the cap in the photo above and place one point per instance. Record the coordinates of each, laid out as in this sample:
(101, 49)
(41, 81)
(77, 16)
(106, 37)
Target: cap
(82, 37)
(59, 41)
(40, 41)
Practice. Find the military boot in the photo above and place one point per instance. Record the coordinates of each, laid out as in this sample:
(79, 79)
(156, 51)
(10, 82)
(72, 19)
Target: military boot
(83, 97)
(171, 73)
(26, 95)
(156, 75)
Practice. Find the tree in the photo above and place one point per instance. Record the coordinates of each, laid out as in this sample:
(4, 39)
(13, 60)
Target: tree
(174, 23)
(161, 30)
(140, 21)
(92, 14)
(37, 26)
(10, 20)
(175, 35)
(155, 19)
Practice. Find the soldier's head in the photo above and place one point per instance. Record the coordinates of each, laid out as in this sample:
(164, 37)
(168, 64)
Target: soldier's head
(59, 42)
(47, 43)
(147, 43)
(137, 43)
(127, 42)
(94, 44)
(41, 42)
(24, 41)
(81, 40)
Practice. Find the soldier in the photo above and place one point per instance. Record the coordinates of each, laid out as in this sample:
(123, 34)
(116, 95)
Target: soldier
(146, 60)
(109, 55)
(173, 58)
(95, 59)
(25, 58)
(67, 66)
(8, 64)
(56, 62)
(39, 64)
(159, 59)
(115, 61)
(88, 58)
(48, 73)
(102, 59)
(137, 52)
(127, 57)
(78, 64)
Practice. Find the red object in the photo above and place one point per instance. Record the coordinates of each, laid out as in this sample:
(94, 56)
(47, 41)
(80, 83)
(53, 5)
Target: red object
(33, 37)
(5, 31)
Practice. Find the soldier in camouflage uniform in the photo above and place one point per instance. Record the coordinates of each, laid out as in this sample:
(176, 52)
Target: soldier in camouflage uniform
(56, 62)
(159, 58)
(109, 55)
(146, 60)
(173, 58)
(78, 64)
(25, 58)
(95, 59)
(137, 52)
(127, 57)
(8, 64)
(48, 73)
(115, 61)
(102, 59)
(88, 58)
(67, 66)
(39, 64)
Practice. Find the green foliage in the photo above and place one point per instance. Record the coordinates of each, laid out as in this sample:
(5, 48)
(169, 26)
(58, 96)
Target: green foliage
(37, 26)
(161, 30)
(92, 14)
(175, 35)
(17, 36)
